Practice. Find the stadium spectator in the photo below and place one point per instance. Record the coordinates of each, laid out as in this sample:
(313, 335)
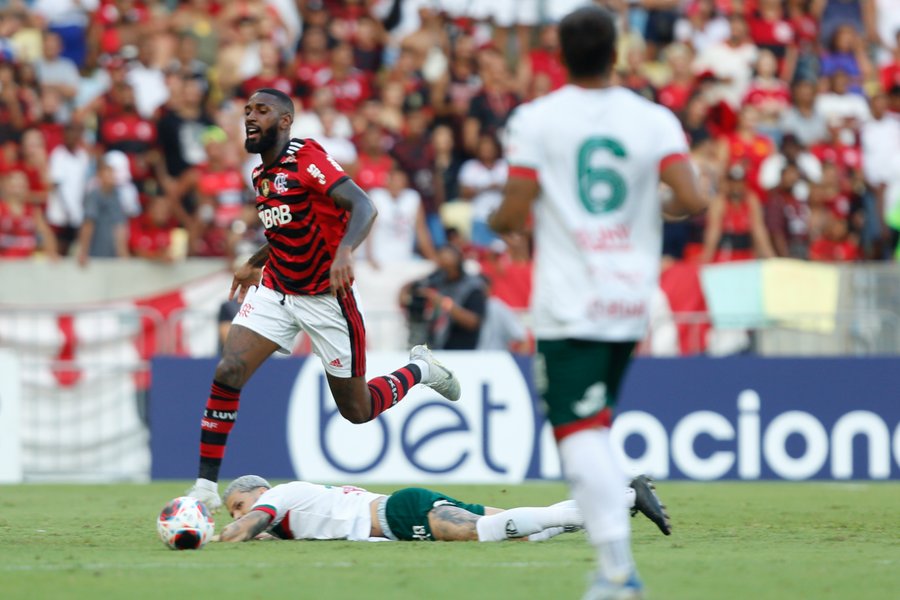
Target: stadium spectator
(374, 163)
(104, 231)
(490, 107)
(846, 52)
(806, 37)
(34, 162)
(122, 128)
(13, 103)
(889, 73)
(787, 218)
(400, 228)
(310, 62)
(730, 62)
(887, 27)
(502, 328)
(414, 153)
(69, 20)
(339, 147)
(481, 181)
(836, 243)
(147, 79)
(220, 196)
(349, 85)
(770, 30)
(880, 145)
(507, 266)
(270, 72)
(675, 94)
(746, 147)
(58, 73)
(801, 118)
(770, 171)
(180, 130)
(449, 304)
(541, 68)
(23, 230)
(309, 121)
(859, 14)
(702, 26)
(735, 226)
(69, 166)
(840, 104)
(768, 94)
(151, 234)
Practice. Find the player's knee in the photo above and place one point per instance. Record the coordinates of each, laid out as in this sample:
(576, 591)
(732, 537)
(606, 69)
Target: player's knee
(230, 371)
(355, 413)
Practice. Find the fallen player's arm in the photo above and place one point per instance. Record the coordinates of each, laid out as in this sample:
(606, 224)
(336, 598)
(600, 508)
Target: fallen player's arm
(246, 528)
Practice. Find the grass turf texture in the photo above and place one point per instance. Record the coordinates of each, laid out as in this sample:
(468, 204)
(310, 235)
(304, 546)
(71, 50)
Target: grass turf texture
(731, 540)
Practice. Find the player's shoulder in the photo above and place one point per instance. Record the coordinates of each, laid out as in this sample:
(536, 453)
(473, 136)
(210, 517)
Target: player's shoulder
(536, 109)
(294, 148)
(643, 107)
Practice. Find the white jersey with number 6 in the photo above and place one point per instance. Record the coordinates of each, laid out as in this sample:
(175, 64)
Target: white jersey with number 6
(597, 155)
(307, 511)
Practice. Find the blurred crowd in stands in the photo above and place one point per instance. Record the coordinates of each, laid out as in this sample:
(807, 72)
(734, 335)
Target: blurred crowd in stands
(121, 131)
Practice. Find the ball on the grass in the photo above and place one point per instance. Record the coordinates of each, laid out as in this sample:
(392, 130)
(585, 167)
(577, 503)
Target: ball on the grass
(185, 524)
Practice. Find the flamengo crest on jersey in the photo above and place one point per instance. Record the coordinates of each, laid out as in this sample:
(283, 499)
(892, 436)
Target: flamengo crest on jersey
(303, 224)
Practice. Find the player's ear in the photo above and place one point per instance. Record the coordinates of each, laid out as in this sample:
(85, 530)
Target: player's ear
(287, 119)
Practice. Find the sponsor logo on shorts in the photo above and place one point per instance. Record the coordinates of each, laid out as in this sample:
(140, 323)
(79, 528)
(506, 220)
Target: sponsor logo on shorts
(593, 401)
(511, 530)
(336, 363)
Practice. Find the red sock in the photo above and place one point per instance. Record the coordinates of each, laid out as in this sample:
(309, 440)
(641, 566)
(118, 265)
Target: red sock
(388, 390)
(218, 420)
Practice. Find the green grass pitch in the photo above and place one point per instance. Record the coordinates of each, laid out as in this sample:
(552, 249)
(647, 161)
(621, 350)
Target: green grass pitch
(731, 540)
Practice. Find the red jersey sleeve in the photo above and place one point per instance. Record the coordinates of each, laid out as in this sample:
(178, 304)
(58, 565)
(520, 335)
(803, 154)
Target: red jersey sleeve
(317, 170)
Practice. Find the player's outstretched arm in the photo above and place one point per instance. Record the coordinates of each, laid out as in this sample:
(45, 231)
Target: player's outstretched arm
(246, 528)
(248, 274)
(518, 196)
(349, 196)
(686, 196)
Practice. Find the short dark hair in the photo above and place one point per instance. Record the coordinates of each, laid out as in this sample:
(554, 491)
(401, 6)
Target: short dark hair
(588, 40)
(284, 101)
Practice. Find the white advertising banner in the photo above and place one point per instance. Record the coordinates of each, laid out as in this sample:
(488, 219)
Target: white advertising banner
(486, 438)
(10, 398)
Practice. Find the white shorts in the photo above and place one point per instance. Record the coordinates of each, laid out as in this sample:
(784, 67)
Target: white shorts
(336, 328)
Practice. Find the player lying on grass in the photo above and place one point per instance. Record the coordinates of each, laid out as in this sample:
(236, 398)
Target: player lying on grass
(308, 511)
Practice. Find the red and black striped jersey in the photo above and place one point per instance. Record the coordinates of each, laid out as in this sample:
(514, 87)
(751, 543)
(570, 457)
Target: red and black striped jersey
(303, 224)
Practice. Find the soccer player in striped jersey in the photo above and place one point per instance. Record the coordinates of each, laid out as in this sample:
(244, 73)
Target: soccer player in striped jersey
(588, 158)
(314, 217)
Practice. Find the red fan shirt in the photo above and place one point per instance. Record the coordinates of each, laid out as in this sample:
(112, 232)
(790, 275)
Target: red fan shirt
(18, 232)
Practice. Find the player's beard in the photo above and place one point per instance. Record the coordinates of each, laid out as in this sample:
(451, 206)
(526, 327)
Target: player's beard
(267, 139)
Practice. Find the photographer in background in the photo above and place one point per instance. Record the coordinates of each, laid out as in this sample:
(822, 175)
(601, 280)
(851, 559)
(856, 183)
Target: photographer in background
(446, 309)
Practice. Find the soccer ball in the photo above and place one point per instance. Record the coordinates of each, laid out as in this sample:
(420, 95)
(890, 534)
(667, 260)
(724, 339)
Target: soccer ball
(185, 524)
